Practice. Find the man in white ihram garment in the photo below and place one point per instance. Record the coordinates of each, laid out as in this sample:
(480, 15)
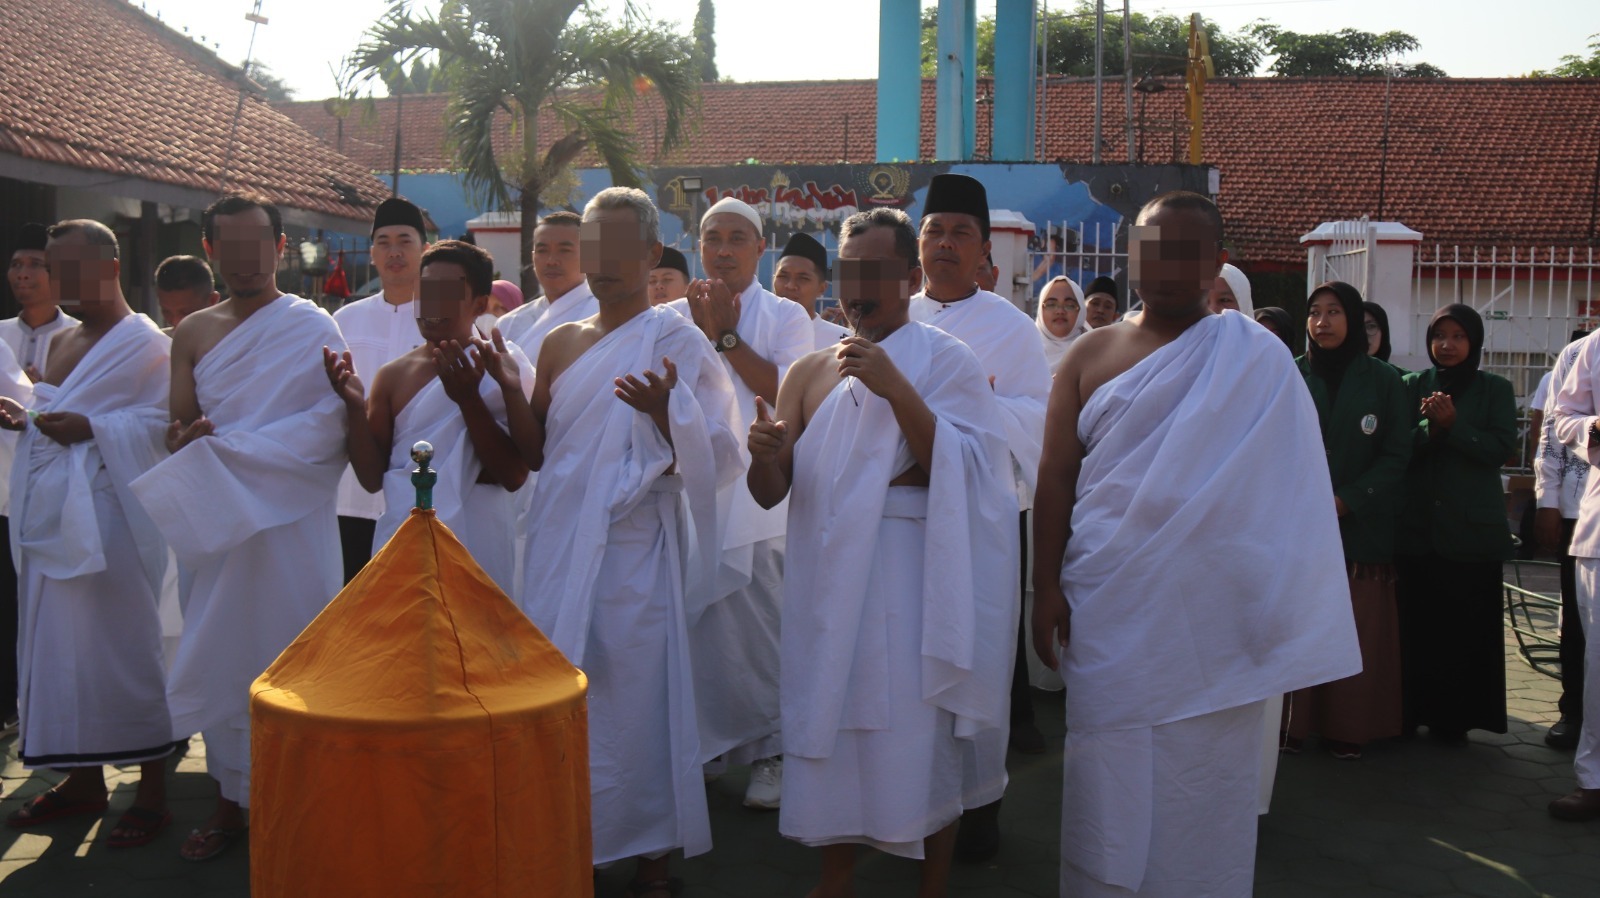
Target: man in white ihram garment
(246, 500)
(631, 425)
(1160, 591)
(903, 513)
(735, 642)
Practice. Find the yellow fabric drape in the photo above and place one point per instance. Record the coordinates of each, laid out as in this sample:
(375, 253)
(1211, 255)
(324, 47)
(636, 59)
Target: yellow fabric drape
(421, 737)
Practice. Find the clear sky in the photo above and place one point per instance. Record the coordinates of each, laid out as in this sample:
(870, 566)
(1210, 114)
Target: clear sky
(762, 40)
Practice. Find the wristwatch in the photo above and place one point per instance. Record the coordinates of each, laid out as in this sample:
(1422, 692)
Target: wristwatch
(727, 342)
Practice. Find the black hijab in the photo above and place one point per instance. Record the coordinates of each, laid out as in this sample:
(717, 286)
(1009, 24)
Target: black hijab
(1330, 364)
(1382, 317)
(1453, 380)
(1281, 322)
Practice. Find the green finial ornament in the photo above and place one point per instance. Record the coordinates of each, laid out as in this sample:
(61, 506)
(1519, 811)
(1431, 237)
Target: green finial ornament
(424, 477)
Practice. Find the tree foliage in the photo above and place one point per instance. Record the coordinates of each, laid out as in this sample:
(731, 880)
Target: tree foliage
(705, 40)
(1575, 66)
(271, 84)
(1161, 47)
(583, 68)
(1348, 51)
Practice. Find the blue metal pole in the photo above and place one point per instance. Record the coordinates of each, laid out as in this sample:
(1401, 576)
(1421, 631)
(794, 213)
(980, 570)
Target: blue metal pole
(1013, 80)
(969, 81)
(899, 81)
(952, 115)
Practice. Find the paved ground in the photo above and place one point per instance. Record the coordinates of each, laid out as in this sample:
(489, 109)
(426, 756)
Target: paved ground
(1411, 818)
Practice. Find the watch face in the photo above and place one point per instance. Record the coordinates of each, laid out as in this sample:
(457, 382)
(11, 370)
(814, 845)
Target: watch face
(729, 341)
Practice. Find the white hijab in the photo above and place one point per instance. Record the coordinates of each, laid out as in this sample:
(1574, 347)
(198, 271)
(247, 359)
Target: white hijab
(1055, 347)
(1240, 285)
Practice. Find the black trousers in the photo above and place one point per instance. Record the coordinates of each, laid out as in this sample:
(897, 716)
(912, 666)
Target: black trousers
(355, 543)
(1021, 699)
(1572, 641)
(8, 625)
(1452, 643)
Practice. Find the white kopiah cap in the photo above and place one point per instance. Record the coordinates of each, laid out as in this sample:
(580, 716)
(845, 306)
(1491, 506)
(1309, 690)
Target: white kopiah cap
(737, 207)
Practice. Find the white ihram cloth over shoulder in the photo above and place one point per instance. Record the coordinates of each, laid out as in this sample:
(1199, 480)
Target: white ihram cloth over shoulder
(615, 562)
(376, 332)
(90, 564)
(894, 649)
(1182, 608)
(1007, 345)
(735, 640)
(249, 511)
(482, 515)
(826, 333)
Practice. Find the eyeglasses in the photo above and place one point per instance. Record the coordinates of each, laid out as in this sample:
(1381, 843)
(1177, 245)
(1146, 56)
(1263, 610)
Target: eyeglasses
(1054, 304)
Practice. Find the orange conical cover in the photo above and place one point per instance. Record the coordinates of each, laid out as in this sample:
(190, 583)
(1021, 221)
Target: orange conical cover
(420, 737)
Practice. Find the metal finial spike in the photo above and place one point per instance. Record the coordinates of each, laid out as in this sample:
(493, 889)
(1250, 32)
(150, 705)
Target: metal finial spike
(424, 477)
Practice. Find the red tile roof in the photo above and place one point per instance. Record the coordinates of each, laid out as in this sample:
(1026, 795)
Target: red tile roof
(1483, 162)
(99, 85)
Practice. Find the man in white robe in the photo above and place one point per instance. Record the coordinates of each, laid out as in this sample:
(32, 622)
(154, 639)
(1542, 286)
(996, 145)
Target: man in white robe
(735, 642)
(902, 512)
(1159, 575)
(802, 277)
(378, 330)
(438, 392)
(631, 426)
(952, 241)
(93, 689)
(558, 266)
(40, 316)
(246, 501)
(1575, 411)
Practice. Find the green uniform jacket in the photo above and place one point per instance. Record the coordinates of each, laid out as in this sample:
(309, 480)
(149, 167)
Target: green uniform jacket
(1455, 503)
(1368, 432)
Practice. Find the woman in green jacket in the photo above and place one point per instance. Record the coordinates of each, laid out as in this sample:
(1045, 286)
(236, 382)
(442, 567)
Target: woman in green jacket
(1453, 535)
(1367, 428)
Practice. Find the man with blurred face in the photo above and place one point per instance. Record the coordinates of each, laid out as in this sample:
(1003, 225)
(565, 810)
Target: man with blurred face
(735, 642)
(670, 279)
(439, 392)
(953, 241)
(1169, 664)
(93, 691)
(40, 317)
(184, 286)
(631, 423)
(802, 276)
(258, 441)
(912, 442)
(378, 330)
(558, 266)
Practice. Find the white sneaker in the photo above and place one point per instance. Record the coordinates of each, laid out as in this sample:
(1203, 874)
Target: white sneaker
(766, 783)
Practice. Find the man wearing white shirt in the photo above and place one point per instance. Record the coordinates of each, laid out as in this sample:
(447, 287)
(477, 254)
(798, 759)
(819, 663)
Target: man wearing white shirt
(953, 242)
(1559, 478)
(802, 276)
(734, 643)
(1572, 411)
(29, 333)
(378, 330)
(557, 263)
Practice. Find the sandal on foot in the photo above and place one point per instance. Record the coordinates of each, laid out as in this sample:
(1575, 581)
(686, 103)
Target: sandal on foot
(643, 887)
(142, 826)
(218, 839)
(52, 805)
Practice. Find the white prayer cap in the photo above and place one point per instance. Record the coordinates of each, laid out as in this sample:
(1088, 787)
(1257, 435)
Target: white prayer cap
(1240, 285)
(737, 207)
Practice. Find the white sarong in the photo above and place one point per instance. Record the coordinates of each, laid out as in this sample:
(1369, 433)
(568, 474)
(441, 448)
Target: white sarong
(249, 512)
(90, 565)
(615, 552)
(895, 648)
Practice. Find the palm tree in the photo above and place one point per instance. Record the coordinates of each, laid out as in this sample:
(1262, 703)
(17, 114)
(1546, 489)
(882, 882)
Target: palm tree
(523, 56)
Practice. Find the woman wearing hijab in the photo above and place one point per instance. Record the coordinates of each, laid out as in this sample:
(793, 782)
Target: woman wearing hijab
(1060, 318)
(1231, 290)
(1368, 432)
(1453, 535)
(503, 297)
(1280, 324)
(1377, 326)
